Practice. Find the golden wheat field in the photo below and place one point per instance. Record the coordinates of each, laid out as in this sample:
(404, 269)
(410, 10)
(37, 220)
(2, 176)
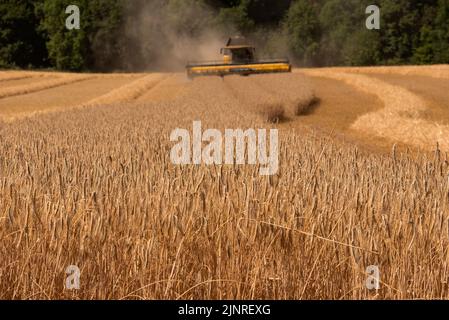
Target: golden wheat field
(86, 180)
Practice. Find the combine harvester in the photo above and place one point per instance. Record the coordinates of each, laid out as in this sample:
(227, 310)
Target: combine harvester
(238, 58)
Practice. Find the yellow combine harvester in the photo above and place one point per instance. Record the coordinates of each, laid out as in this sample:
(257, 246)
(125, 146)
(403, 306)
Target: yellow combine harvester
(238, 58)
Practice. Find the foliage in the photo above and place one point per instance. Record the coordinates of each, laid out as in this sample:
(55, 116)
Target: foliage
(312, 32)
(21, 45)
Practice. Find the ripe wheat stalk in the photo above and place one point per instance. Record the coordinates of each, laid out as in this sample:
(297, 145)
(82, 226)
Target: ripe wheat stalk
(94, 187)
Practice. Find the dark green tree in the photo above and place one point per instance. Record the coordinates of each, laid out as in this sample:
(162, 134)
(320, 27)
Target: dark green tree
(303, 31)
(21, 44)
(105, 24)
(68, 49)
(236, 19)
(441, 37)
(362, 48)
(400, 32)
(141, 34)
(94, 45)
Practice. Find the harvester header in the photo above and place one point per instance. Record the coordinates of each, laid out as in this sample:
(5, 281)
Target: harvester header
(238, 58)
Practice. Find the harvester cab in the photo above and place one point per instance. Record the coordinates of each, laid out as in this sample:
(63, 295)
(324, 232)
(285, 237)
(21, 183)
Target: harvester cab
(238, 54)
(238, 58)
(237, 51)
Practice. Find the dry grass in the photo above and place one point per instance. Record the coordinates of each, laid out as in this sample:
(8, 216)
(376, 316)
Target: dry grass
(94, 187)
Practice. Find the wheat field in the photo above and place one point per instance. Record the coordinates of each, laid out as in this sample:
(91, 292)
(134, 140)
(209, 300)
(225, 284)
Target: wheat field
(363, 181)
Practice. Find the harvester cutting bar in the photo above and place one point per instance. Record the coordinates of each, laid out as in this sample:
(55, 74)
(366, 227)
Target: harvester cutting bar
(215, 68)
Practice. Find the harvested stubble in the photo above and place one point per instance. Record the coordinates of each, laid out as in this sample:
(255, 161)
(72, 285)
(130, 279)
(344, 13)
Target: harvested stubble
(434, 92)
(95, 188)
(24, 81)
(13, 76)
(60, 98)
(400, 119)
(128, 92)
(434, 71)
(171, 88)
(17, 75)
(62, 79)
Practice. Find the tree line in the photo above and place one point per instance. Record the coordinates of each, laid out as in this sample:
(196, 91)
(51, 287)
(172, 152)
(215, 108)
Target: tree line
(131, 35)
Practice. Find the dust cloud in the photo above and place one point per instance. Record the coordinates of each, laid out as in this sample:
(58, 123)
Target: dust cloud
(162, 35)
